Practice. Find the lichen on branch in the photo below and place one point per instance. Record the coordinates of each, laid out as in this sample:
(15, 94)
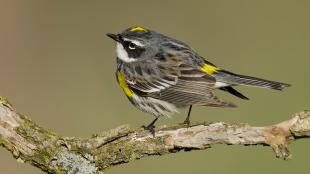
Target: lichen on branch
(30, 143)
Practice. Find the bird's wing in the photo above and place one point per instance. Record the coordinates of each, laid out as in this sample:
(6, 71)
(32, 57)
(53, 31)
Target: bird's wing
(194, 87)
(151, 76)
(174, 81)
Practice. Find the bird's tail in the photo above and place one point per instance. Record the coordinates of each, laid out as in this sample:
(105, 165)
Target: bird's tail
(237, 79)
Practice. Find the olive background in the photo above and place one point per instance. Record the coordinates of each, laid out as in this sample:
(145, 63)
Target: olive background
(57, 67)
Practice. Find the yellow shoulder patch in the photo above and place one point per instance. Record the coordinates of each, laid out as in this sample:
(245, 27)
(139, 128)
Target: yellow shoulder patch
(210, 69)
(138, 29)
(123, 85)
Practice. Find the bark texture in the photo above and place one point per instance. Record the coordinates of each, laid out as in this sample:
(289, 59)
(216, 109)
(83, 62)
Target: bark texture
(52, 153)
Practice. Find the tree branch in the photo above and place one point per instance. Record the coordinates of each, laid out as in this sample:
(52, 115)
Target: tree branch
(52, 153)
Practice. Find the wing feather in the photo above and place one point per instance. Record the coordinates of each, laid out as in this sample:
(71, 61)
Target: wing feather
(175, 82)
(151, 81)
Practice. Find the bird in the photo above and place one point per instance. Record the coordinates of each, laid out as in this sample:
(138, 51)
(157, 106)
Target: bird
(160, 74)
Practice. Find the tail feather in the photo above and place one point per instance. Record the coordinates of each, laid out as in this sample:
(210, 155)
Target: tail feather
(234, 92)
(252, 81)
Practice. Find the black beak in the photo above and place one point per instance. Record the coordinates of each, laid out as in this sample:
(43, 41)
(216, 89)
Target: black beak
(114, 37)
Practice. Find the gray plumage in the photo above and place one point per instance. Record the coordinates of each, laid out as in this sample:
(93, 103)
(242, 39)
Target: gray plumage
(160, 74)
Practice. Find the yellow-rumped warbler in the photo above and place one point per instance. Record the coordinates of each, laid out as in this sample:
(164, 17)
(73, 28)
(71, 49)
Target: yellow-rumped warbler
(160, 74)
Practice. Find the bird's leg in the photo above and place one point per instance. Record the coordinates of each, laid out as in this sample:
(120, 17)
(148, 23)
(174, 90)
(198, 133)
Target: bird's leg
(187, 120)
(151, 126)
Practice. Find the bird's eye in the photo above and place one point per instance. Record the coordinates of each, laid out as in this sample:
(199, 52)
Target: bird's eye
(132, 46)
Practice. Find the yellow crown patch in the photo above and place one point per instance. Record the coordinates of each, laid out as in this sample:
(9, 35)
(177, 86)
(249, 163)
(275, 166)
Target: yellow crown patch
(138, 29)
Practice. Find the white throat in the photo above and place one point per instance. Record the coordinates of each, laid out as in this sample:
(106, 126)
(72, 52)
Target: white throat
(122, 54)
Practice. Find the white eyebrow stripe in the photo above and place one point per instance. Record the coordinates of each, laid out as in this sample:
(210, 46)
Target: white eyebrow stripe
(134, 41)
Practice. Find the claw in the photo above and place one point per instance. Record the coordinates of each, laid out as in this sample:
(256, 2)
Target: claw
(187, 121)
(151, 127)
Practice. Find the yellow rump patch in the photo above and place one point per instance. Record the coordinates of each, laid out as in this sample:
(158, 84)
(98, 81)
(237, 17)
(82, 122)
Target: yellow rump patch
(123, 85)
(138, 29)
(209, 69)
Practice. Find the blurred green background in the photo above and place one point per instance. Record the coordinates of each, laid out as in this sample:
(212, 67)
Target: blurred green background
(57, 67)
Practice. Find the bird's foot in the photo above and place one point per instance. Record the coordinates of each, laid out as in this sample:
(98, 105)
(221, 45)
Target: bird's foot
(186, 122)
(150, 128)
